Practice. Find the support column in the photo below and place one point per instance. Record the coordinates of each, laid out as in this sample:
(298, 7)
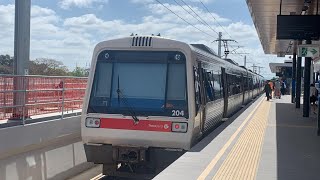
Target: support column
(317, 77)
(318, 119)
(293, 83)
(21, 56)
(306, 89)
(219, 44)
(298, 80)
(312, 75)
(22, 37)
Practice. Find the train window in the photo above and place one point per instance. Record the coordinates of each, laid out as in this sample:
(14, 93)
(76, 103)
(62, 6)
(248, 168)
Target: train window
(234, 84)
(150, 86)
(245, 83)
(103, 79)
(176, 86)
(217, 85)
(208, 84)
(133, 76)
(250, 83)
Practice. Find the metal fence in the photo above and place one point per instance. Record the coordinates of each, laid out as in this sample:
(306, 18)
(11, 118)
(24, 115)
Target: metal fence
(22, 97)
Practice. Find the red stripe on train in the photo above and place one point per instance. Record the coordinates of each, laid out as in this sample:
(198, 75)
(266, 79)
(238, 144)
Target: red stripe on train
(128, 124)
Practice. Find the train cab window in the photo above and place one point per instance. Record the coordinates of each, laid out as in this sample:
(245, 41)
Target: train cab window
(101, 88)
(176, 86)
(150, 83)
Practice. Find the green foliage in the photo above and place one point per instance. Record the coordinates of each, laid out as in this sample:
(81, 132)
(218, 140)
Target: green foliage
(42, 66)
(48, 67)
(6, 64)
(80, 72)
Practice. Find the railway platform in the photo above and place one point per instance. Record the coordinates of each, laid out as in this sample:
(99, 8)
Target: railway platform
(267, 140)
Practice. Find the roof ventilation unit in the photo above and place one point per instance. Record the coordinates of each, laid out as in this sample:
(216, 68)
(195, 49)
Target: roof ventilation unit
(141, 41)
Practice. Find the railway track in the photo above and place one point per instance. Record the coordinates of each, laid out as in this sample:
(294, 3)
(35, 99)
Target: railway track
(95, 173)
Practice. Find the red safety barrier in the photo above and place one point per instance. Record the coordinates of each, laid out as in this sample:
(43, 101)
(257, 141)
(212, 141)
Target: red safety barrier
(25, 96)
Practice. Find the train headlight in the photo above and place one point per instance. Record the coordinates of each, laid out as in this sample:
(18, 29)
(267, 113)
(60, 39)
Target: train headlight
(177, 57)
(179, 127)
(107, 55)
(92, 122)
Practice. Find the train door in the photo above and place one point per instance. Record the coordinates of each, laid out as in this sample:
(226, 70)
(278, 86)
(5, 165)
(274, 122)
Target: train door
(199, 95)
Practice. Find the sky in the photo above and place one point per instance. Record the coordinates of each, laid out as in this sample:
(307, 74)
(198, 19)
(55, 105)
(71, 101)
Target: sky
(68, 30)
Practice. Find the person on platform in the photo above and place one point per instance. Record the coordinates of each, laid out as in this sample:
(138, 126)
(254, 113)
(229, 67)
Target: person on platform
(277, 87)
(272, 88)
(267, 89)
(283, 88)
(313, 97)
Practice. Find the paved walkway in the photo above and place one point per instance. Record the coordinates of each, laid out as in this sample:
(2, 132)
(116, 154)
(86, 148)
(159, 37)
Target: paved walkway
(268, 140)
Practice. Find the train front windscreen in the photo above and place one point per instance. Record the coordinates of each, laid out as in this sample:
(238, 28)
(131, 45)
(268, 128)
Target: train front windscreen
(145, 83)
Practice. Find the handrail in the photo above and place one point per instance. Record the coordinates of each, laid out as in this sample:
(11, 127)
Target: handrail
(22, 97)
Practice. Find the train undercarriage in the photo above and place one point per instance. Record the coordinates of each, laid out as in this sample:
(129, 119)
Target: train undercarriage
(133, 162)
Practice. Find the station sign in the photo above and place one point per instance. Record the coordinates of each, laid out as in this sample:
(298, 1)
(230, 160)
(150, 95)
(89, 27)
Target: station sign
(308, 51)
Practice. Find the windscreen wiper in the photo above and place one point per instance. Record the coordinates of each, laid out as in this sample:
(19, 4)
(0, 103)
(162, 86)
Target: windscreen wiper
(125, 102)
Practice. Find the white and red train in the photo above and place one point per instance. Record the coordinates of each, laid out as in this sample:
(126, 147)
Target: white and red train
(149, 99)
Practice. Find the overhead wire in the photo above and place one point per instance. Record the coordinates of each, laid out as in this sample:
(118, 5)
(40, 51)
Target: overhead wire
(214, 18)
(202, 21)
(218, 23)
(205, 22)
(185, 20)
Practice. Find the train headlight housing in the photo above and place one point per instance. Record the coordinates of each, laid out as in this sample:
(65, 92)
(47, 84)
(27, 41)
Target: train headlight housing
(181, 127)
(92, 122)
(177, 57)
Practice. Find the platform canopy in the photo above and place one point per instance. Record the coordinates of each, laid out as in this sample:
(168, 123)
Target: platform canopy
(276, 67)
(264, 15)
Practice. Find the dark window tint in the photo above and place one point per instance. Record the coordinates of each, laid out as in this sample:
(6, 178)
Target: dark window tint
(176, 92)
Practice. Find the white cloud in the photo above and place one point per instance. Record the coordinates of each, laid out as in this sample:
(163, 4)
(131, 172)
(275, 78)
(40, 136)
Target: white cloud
(149, 1)
(72, 39)
(7, 28)
(204, 1)
(142, 1)
(66, 4)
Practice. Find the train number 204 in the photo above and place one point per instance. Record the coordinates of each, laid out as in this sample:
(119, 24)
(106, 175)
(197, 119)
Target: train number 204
(177, 113)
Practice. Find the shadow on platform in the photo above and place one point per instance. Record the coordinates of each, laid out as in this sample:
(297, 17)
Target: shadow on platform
(298, 146)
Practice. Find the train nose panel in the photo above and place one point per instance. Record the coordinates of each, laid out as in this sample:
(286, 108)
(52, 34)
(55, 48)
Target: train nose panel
(142, 125)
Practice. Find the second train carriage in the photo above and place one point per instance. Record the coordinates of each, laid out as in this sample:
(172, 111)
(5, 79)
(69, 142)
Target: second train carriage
(149, 97)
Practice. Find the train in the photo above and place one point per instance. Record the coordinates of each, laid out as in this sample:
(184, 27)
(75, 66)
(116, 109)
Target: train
(149, 99)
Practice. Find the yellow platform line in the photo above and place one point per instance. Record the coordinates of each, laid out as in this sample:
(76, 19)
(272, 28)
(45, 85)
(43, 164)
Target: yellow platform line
(214, 161)
(243, 160)
(290, 126)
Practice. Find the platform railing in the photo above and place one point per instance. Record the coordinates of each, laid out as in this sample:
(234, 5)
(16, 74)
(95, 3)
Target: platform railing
(28, 97)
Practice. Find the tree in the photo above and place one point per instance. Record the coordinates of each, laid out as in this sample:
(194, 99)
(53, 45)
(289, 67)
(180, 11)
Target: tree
(6, 64)
(80, 72)
(42, 66)
(49, 67)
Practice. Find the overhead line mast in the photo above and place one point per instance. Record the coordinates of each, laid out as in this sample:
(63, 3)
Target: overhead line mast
(225, 44)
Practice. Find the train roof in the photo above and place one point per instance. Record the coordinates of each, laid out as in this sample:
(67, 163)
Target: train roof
(205, 48)
(232, 62)
(148, 41)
